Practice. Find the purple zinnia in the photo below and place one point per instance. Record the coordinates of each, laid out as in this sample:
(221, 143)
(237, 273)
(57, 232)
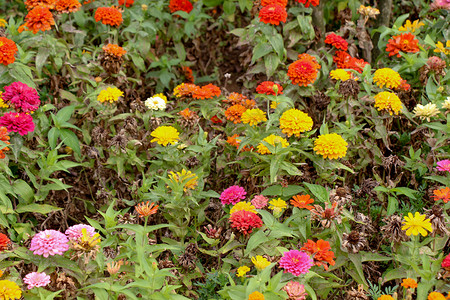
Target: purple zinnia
(74, 232)
(49, 242)
(22, 97)
(233, 195)
(296, 262)
(35, 279)
(17, 122)
(443, 165)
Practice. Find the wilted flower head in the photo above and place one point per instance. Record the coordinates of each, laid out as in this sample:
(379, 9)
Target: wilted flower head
(35, 279)
(259, 201)
(354, 241)
(233, 195)
(49, 242)
(296, 262)
(295, 290)
(326, 215)
(393, 229)
(114, 267)
(426, 112)
(368, 11)
(74, 232)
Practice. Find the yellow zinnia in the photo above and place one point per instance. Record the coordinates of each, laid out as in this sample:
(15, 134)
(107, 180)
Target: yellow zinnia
(2, 104)
(9, 290)
(3, 23)
(277, 206)
(440, 47)
(253, 116)
(109, 95)
(260, 262)
(187, 178)
(241, 271)
(340, 74)
(331, 146)
(388, 101)
(416, 224)
(387, 77)
(243, 205)
(164, 135)
(411, 27)
(294, 121)
(272, 140)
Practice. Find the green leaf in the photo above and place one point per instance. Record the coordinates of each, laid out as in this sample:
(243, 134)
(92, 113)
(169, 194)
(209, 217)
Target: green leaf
(212, 2)
(271, 63)
(22, 189)
(41, 58)
(274, 190)
(255, 240)
(261, 50)
(320, 193)
(71, 140)
(53, 135)
(65, 113)
(278, 45)
(39, 208)
(392, 205)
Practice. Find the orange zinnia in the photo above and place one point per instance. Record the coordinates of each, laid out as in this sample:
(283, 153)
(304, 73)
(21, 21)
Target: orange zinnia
(39, 18)
(109, 16)
(145, 209)
(184, 90)
(207, 92)
(442, 194)
(4, 138)
(186, 113)
(234, 113)
(7, 51)
(405, 42)
(273, 14)
(236, 142)
(321, 252)
(114, 50)
(188, 74)
(127, 3)
(304, 70)
(269, 2)
(344, 60)
(409, 283)
(67, 6)
(302, 201)
(50, 4)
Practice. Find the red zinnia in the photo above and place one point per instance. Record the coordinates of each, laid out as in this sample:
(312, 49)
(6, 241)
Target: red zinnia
(4, 242)
(7, 51)
(266, 87)
(308, 2)
(39, 18)
(321, 251)
(273, 14)
(215, 119)
(184, 5)
(127, 3)
(336, 41)
(245, 221)
(304, 70)
(344, 60)
(269, 2)
(405, 42)
(108, 16)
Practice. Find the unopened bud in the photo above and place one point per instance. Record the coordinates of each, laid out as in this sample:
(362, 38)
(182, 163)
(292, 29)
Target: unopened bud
(144, 7)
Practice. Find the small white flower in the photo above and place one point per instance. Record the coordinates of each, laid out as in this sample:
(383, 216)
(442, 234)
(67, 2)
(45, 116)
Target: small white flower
(426, 112)
(155, 103)
(446, 104)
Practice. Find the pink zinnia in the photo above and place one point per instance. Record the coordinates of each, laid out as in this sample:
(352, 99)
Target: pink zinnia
(74, 232)
(49, 242)
(446, 262)
(36, 280)
(296, 262)
(22, 97)
(295, 290)
(259, 201)
(233, 195)
(245, 221)
(17, 122)
(443, 165)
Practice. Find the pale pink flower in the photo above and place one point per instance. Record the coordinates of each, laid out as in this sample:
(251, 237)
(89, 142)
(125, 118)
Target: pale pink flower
(36, 280)
(259, 201)
(49, 242)
(74, 232)
(295, 290)
(443, 165)
(296, 262)
(233, 195)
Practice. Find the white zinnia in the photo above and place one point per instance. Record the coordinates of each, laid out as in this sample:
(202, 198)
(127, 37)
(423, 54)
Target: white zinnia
(446, 104)
(426, 112)
(155, 103)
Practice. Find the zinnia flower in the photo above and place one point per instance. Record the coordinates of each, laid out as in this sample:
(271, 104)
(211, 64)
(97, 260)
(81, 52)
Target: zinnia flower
(273, 14)
(114, 50)
(49, 242)
(109, 16)
(296, 262)
(17, 122)
(309, 2)
(35, 279)
(441, 49)
(145, 209)
(241, 271)
(343, 60)
(243, 205)
(245, 221)
(443, 165)
(269, 87)
(206, 92)
(9, 290)
(21, 97)
(184, 90)
(233, 195)
(256, 296)
(127, 3)
(74, 232)
(111, 94)
(39, 18)
(302, 201)
(336, 41)
(157, 102)
(253, 117)
(304, 70)
(442, 194)
(50, 4)
(387, 77)
(388, 101)
(385, 297)
(7, 51)
(446, 104)
(294, 122)
(164, 135)
(188, 74)
(67, 6)
(340, 74)
(278, 206)
(4, 241)
(260, 262)
(259, 201)
(4, 137)
(184, 5)
(411, 27)
(426, 111)
(416, 224)
(331, 146)
(234, 113)
(436, 296)
(409, 283)
(279, 2)
(186, 178)
(405, 42)
(446, 262)
(295, 290)
(368, 11)
(321, 252)
(273, 140)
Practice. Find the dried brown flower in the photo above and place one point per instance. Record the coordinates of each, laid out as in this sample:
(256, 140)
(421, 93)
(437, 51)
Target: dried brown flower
(392, 231)
(354, 241)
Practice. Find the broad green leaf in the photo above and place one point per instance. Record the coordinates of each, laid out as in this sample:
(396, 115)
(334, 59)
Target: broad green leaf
(38, 208)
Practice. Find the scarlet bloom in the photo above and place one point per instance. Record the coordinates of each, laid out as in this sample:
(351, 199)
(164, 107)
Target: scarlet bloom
(304, 70)
(215, 119)
(145, 209)
(184, 5)
(269, 2)
(302, 201)
(39, 18)
(321, 252)
(344, 60)
(268, 88)
(309, 2)
(206, 92)
(405, 42)
(4, 242)
(67, 6)
(245, 221)
(127, 3)
(273, 14)
(234, 113)
(336, 41)
(442, 194)
(7, 51)
(108, 16)
(4, 138)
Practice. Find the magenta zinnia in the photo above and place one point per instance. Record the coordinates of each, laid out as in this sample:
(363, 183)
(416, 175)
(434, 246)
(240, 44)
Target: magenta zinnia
(245, 221)
(49, 242)
(35, 279)
(17, 122)
(21, 97)
(443, 165)
(296, 262)
(74, 232)
(233, 195)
